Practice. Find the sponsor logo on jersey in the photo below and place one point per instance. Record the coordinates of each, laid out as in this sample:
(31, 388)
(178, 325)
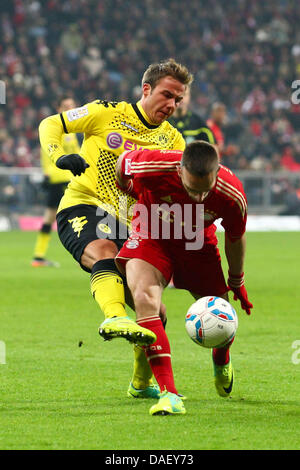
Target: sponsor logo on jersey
(128, 145)
(129, 126)
(78, 223)
(77, 113)
(114, 140)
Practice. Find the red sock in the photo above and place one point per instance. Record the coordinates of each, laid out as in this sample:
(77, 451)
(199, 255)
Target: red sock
(159, 354)
(221, 356)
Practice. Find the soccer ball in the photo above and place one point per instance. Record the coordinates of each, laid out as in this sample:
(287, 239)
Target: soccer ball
(211, 322)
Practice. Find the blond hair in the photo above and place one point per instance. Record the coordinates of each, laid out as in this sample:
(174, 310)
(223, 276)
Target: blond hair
(166, 68)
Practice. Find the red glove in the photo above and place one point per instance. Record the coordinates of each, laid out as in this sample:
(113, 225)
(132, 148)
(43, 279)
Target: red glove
(237, 285)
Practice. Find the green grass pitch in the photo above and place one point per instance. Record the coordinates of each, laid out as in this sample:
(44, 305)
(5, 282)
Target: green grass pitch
(57, 395)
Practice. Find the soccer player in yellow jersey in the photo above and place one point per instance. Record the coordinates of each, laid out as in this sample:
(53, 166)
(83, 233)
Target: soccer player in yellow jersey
(93, 213)
(56, 183)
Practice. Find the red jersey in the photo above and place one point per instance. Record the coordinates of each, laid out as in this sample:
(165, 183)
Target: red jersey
(156, 185)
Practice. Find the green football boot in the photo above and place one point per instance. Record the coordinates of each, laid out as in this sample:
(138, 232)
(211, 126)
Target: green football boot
(223, 379)
(152, 391)
(123, 327)
(168, 404)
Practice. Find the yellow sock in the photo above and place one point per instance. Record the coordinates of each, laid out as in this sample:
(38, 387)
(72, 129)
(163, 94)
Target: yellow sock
(142, 373)
(42, 244)
(107, 288)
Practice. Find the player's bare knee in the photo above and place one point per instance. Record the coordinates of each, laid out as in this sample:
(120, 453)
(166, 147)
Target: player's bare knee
(96, 251)
(145, 303)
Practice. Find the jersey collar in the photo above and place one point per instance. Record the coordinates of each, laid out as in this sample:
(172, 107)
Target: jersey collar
(143, 116)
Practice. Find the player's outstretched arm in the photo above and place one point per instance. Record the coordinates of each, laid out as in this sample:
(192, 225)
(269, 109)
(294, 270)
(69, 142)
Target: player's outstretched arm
(235, 254)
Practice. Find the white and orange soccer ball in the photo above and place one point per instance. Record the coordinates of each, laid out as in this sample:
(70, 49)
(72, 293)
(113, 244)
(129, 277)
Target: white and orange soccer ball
(211, 322)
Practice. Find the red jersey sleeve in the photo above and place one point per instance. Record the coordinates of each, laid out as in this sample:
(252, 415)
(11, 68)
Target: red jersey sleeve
(131, 189)
(148, 163)
(234, 223)
(145, 166)
(234, 201)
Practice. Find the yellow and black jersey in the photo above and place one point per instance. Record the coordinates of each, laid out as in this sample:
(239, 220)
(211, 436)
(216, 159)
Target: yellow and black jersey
(109, 129)
(192, 127)
(70, 144)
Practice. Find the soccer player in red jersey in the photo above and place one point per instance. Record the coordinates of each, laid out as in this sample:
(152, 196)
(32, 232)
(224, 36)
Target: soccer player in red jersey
(172, 187)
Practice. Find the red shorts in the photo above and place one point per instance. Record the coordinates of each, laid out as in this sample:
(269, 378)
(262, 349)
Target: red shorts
(199, 272)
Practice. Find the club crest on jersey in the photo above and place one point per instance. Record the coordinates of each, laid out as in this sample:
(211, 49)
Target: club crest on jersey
(132, 244)
(163, 140)
(114, 140)
(52, 148)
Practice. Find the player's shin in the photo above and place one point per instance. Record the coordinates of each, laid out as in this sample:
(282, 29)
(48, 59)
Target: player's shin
(107, 288)
(223, 370)
(221, 356)
(159, 354)
(42, 241)
(142, 373)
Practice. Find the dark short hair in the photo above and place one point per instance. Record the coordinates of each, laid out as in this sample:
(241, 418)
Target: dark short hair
(200, 158)
(169, 67)
(63, 97)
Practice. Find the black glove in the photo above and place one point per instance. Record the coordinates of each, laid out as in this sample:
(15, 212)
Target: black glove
(73, 162)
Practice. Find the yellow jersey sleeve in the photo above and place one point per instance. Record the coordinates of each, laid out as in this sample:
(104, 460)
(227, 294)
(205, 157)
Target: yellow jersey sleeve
(70, 144)
(85, 119)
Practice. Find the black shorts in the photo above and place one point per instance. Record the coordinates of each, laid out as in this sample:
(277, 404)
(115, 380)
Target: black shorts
(79, 225)
(54, 193)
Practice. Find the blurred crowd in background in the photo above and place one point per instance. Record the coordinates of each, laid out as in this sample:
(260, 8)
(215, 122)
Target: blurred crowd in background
(243, 54)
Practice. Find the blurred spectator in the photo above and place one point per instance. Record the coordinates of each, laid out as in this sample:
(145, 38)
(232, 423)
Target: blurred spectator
(292, 201)
(92, 62)
(288, 161)
(243, 54)
(72, 42)
(215, 122)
